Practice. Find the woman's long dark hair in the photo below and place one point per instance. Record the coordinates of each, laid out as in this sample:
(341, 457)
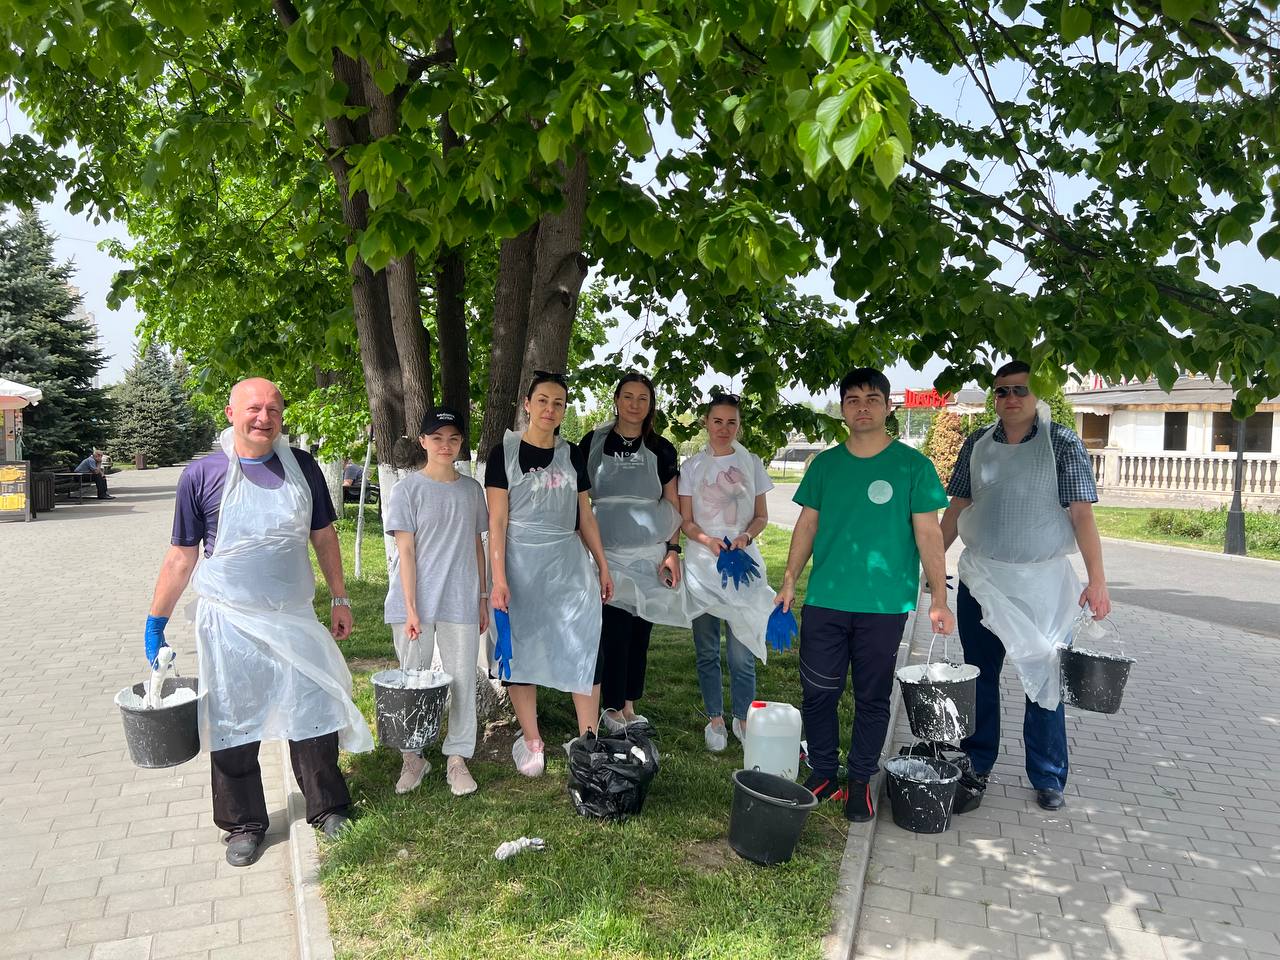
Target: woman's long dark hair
(542, 376)
(635, 376)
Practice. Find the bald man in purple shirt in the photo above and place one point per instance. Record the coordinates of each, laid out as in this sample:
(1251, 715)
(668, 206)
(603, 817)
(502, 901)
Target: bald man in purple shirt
(268, 668)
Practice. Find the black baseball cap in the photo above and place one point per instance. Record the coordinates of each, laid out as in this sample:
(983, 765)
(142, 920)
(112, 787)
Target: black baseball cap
(443, 417)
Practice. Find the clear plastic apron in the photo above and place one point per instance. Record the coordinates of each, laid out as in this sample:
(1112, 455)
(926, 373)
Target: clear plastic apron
(635, 525)
(724, 503)
(268, 668)
(555, 590)
(1017, 541)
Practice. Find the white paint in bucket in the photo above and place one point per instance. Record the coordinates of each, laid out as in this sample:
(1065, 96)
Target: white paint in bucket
(127, 698)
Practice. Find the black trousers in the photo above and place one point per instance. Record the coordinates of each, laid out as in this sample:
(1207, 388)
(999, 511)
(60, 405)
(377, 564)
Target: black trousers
(623, 657)
(100, 482)
(832, 641)
(239, 805)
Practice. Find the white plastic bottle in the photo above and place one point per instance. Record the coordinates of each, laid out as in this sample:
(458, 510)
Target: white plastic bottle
(773, 739)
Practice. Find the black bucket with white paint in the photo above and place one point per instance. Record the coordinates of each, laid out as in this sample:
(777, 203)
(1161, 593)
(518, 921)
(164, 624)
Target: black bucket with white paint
(163, 736)
(410, 707)
(767, 816)
(939, 698)
(921, 792)
(1094, 681)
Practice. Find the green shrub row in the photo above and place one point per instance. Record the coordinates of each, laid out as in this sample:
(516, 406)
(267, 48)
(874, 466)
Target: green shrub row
(1262, 530)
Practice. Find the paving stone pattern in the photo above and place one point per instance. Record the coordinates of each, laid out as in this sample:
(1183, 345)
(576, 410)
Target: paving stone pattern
(100, 860)
(1168, 848)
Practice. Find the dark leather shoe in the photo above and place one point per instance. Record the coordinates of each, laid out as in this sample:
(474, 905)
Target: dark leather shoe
(334, 824)
(1050, 799)
(243, 848)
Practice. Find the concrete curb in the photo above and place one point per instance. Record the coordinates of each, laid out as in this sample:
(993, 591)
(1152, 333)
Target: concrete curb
(310, 912)
(1170, 548)
(846, 902)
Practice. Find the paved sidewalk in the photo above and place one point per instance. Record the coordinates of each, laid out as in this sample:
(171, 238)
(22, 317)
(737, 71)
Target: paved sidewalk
(1169, 847)
(100, 860)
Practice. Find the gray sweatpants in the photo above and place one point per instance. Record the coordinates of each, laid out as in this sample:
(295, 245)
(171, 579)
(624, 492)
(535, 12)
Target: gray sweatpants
(459, 645)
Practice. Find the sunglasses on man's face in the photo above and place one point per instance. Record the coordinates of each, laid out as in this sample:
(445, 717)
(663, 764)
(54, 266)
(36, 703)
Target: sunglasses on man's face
(1017, 390)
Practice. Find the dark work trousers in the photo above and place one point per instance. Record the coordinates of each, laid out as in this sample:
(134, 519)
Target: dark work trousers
(623, 657)
(100, 481)
(238, 803)
(1044, 732)
(832, 641)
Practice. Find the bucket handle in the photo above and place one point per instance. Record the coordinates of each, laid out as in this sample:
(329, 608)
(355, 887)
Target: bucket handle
(779, 800)
(946, 648)
(1083, 616)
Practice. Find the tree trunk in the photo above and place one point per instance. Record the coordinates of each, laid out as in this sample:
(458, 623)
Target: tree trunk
(451, 324)
(330, 467)
(516, 260)
(559, 272)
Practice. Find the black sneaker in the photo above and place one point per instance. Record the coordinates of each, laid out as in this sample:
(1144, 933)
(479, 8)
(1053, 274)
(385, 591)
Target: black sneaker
(857, 802)
(824, 788)
(242, 848)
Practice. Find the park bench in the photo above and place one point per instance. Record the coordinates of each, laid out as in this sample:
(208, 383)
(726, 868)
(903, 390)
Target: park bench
(71, 485)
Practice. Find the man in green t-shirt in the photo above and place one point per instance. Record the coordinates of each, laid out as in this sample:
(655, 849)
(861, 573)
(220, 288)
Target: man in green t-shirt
(869, 517)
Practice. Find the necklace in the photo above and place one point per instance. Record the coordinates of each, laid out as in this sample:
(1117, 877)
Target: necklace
(628, 443)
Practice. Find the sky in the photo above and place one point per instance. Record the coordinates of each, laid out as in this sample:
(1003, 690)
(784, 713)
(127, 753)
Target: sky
(78, 239)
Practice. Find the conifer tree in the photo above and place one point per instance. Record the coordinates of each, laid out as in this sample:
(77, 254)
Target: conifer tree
(47, 341)
(152, 412)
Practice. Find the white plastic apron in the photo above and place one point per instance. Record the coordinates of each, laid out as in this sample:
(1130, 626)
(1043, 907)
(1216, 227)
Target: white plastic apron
(268, 668)
(555, 590)
(1017, 539)
(724, 503)
(635, 524)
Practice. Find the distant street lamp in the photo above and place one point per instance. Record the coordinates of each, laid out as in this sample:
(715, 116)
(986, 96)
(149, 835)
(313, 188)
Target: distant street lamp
(1235, 516)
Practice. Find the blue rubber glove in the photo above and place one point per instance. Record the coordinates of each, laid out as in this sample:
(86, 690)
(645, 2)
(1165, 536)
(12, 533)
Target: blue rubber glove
(738, 564)
(155, 638)
(782, 629)
(502, 649)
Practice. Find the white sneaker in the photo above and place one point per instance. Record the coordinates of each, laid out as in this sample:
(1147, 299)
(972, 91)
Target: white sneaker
(529, 757)
(717, 737)
(740, 730)
(459, 777)
(613, 721)
(412, 769)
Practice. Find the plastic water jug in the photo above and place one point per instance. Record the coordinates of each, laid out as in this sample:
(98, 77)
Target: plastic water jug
(773, 739)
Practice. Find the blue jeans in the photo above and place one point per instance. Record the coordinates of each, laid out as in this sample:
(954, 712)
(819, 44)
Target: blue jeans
(742, 668)
(1044, 732)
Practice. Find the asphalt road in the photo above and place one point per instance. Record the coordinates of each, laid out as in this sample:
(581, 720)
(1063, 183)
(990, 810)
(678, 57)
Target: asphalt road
(1237, 592)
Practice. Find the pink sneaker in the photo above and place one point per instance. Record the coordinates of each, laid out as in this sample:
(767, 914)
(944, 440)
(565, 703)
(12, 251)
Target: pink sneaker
(529, 757)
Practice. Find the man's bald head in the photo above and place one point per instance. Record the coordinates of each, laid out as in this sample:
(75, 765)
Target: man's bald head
(255, 411)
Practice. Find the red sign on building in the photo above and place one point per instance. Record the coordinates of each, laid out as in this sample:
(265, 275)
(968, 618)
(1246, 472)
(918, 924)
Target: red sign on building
(925, 398)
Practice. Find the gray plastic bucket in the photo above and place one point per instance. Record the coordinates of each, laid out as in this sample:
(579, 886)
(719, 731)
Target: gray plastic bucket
(767, 817)
(165, 736)
(921, 806)
(409, 715)
(939, 698)
(1094, 681)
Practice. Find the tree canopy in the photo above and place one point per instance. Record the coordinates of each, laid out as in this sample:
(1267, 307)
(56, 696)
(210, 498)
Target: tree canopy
(702, 155)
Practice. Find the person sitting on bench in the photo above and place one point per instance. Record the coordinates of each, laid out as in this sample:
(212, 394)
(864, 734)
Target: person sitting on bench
(92, 465)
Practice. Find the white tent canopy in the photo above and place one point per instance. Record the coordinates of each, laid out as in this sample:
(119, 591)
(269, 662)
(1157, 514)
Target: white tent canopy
(15, 396)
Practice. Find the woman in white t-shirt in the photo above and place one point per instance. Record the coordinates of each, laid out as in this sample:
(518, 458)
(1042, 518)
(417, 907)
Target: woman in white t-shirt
(722, 496)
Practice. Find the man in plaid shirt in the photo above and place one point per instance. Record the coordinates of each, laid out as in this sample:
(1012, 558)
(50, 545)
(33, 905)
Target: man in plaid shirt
(1019, 494)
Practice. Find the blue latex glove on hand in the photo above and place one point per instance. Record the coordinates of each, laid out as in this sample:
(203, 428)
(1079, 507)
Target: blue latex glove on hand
(155, 638)
(782, 629)
(738, 564)
(502, 649)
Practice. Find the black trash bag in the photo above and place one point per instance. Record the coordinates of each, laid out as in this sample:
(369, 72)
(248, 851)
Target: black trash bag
(609, 777)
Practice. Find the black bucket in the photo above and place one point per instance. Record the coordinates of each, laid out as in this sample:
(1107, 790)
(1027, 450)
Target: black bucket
(410, 711)
(1094, 681)
(767, 816)
(164, 736)
(939, 698)
(921, 806)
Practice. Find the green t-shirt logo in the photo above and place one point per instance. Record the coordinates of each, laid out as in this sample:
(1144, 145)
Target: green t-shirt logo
(880, 491)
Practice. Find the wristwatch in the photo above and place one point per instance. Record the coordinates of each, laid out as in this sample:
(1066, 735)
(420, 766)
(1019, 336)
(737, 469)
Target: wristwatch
(340, 601)
(674, 548)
